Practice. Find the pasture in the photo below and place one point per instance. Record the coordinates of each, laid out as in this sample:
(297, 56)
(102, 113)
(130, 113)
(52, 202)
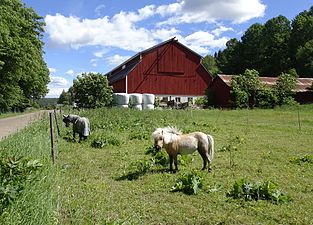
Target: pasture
(91, 182)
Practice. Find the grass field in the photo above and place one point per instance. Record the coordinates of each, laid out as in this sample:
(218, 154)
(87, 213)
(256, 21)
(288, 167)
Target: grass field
(90, 185)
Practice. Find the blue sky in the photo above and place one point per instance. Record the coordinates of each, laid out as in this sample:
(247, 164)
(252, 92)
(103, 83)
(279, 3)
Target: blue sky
(97, 35)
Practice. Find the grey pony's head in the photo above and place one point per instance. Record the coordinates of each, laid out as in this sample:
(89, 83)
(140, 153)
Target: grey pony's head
(67, 119)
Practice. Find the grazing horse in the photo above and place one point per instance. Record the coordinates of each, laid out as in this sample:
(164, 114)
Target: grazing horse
(81, 125)
(177, 143)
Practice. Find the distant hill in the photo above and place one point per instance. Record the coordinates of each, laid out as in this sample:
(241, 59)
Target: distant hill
(47, 101)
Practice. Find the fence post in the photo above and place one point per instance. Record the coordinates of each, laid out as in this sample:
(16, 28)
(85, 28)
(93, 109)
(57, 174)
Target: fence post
(56, 121)
(51, 138)
(299, 121)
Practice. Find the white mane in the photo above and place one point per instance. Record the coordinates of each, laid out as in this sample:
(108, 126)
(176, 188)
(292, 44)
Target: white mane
(169, 133)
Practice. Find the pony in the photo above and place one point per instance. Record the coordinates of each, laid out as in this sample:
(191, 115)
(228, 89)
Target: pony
(175, 142)
(81, 125)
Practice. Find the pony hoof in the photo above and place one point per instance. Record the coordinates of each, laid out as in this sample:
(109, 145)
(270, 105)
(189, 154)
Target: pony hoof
(209, 170)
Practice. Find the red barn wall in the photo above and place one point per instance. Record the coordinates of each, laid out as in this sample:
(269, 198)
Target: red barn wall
(221, 93)
(304, 97)
(169, 70)
(119, 86)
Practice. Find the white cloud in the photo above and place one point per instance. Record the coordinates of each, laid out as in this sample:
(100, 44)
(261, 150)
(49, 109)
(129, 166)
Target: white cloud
(117, 59)
(94, 62)
(70, 72)
(58, 81)
(55, 92)
(99, 54)
(165, 34)
(52, 70)
(198, 11)
(203, 42)
(218, 31)
(124, 31)
(56, 86)
(119, 32)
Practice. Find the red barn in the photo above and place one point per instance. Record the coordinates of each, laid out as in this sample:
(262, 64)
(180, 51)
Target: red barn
(168, 69)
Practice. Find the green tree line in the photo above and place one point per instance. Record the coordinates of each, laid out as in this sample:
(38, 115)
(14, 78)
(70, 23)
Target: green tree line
(23, 72)
(271, 48)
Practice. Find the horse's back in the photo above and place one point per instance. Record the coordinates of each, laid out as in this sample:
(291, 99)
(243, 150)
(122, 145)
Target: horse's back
(82, 126)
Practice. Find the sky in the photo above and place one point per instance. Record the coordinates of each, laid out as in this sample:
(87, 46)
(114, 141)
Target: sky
(84, 36)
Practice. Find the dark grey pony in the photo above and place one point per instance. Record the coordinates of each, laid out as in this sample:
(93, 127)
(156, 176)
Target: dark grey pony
(81, 125)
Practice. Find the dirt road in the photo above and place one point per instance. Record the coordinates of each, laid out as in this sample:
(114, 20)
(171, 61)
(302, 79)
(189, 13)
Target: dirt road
(12, 125)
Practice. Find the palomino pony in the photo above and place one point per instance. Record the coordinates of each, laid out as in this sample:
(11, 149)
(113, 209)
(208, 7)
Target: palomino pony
(177, 143)
(81, 125)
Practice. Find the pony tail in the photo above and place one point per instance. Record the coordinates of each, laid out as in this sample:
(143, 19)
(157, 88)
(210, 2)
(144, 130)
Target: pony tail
(211, 147)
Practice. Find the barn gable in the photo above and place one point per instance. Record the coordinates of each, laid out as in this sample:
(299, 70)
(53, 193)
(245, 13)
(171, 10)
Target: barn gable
(167, 69)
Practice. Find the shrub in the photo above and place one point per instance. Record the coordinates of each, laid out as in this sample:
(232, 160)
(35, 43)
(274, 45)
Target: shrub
(189, 183)
(266, 98)
(304, 159)
(14, 173)
(139, 135)
(138, 169)
(158, 157)
(257, 191)
(102, 142)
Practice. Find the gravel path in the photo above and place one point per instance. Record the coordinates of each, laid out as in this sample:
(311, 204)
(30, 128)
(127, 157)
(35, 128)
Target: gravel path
(14, 124)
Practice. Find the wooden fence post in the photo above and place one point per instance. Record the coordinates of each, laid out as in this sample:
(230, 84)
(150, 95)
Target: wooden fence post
(51, 138)
(56, 121)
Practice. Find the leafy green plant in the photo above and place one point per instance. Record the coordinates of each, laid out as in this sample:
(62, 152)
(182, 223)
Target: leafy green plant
(138, 169)
(101, 142)
(14, 173)
(139, 135)
(304, 159)
(266, 190)
(189, 183)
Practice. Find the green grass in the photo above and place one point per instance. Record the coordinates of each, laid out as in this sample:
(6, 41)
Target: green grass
(37, 202)
(95, 189)
(89, 185)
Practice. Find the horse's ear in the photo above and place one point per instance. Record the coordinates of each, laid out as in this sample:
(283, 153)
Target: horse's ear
(64, 116)
(162, 132)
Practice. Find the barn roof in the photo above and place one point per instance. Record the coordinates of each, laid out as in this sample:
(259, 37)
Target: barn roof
(126, 69)
(302, 85)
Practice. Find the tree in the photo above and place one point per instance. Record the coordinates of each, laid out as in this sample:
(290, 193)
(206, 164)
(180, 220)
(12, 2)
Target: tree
(251, 47)
(244, 88)
(284, 89)
(209, 63)
(92, 90)
(302, 33)
(274, 45)
(23, 73)
(304, 58)
(229, 60)
(64, 98)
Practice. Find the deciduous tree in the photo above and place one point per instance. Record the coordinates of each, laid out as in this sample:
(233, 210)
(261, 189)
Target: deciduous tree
(92, 90)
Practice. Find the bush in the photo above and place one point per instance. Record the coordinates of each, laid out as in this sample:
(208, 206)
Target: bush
(257, 191)
(189, 183)
(304, 159)
(266, 98)
(14, 173)
(102, 142)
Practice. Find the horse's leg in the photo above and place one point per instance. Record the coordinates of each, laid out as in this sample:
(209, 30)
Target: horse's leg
(80, 138)
(171, 163)
(74, 136)
(175, 162)
(204, 157)
(209, 161)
